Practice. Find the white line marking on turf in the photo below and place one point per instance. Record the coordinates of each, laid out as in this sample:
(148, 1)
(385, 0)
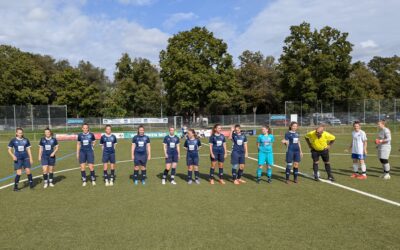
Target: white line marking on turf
(301, 173)
(338, 185)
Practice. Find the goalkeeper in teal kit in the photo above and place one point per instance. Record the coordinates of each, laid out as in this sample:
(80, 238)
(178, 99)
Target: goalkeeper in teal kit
(265, 153)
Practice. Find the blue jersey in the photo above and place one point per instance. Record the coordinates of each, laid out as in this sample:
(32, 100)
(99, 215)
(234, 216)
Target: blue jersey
(141, 142)
(192, 146)
(48, 145)
(20, 146)
(293, 139)
(171, 142)
(265, 142)
(238, 142)
(86, 141)
(108, 143)
(217, 142)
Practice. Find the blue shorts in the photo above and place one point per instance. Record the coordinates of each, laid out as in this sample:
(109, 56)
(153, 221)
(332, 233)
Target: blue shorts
(237, 158)
(140, 159)
(22, 163)
(86, 157)
(48, 161)
(293, 156)
(219, 156)
(108, 158)
(192, 160)
(172, 158)
(265, 158)
(358, 156)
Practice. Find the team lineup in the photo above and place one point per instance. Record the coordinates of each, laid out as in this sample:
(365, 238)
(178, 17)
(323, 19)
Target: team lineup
(319, 142)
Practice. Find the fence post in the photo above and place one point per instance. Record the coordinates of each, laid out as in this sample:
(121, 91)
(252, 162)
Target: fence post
(32, 116)
(364, 112)
(395, 115)
(66, 117)
(15, 119)
(48, 115)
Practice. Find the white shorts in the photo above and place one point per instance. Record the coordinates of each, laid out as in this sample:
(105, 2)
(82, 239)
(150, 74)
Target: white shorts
(384, 152)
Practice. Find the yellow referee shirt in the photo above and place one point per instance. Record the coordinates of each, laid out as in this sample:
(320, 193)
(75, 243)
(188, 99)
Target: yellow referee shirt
(321, 143)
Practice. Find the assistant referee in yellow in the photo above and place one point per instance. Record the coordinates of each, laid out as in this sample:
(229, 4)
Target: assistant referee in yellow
(320, 142)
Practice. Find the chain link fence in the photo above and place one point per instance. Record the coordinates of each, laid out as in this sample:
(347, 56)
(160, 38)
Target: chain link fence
(346, 112)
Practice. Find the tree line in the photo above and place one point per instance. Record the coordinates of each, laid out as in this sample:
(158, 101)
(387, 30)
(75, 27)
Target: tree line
(197, 75)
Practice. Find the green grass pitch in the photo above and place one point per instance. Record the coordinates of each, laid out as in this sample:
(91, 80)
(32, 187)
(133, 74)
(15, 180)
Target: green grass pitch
(307, 215)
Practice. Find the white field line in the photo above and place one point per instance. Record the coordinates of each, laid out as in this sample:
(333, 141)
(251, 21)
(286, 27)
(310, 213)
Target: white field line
(339, 185)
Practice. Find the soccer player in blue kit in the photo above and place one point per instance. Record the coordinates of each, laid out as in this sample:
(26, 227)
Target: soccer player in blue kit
(48, 147)
(265, 154)
(85, 153)
(192, 145)
(294, 152)
(239, 153)
(19, 149)
(108, 141)
(218, 153)
(141, 153)
(172, 155)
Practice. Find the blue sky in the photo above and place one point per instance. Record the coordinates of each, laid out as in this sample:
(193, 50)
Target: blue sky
(100, 31)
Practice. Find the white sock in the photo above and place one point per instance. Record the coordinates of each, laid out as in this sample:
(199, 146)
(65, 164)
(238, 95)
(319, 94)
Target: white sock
(386, 167)
(364, 169)
(355, 168)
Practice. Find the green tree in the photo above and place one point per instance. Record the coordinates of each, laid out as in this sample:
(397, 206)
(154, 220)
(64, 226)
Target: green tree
(198, 74)
(138, 87)
(82, 99)
(361, 83)
(315, 64)
(258, 78)
(387, 70)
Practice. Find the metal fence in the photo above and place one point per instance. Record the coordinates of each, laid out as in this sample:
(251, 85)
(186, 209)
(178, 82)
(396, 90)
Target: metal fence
(32, 116)
(336, 113)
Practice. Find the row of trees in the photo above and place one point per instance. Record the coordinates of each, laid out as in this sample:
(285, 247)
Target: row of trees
(197, 75)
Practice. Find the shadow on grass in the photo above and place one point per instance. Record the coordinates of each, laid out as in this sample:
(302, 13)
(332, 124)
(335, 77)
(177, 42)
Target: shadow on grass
(38, 181)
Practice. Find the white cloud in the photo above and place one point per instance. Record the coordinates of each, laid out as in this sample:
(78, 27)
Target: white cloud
(176, 18)
(64, 32)
(372, 25)
(136, 2)
(368, 44)
(222, 29)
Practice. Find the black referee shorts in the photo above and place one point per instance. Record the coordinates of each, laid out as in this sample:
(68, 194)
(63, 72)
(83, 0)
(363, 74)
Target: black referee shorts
(324, 154)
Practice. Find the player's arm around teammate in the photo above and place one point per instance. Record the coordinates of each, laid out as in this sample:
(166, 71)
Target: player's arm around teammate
(239, 153)
(294, 152)
(218, 153)
(85, 153)
(192, 146)
(265, 153)
(319, 142)
(172, 152)
(48, 147)
(19, 149)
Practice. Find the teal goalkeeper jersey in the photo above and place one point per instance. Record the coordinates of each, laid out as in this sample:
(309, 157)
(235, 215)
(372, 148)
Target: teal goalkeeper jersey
(266, 142)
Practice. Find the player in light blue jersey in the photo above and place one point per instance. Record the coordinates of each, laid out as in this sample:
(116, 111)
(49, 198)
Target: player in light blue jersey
(265, 152)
